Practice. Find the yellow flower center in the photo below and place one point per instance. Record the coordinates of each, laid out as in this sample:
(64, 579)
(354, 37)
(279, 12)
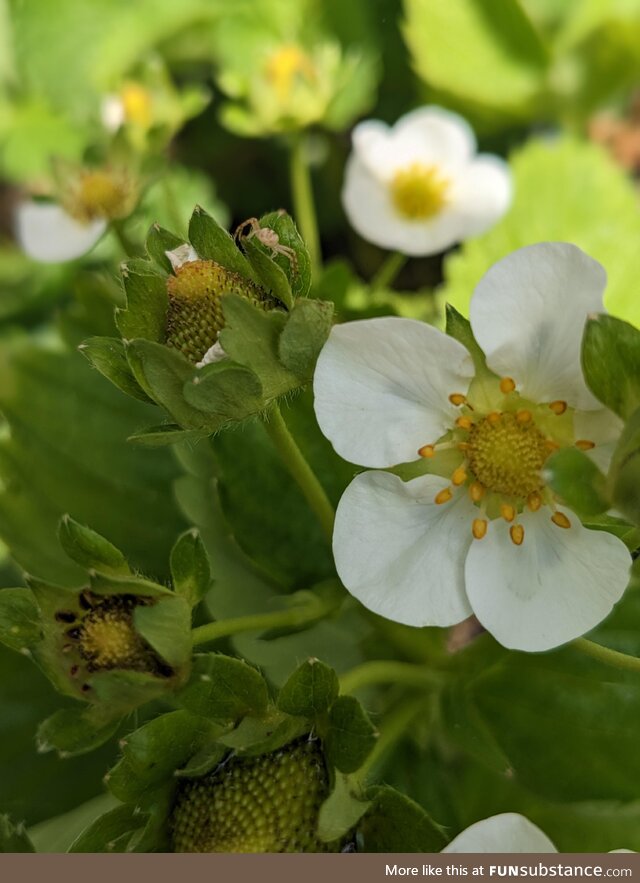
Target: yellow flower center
(506, 455)
(419, 191)
(107, 638)
(100, 193)
(137, 104)
(284, 66)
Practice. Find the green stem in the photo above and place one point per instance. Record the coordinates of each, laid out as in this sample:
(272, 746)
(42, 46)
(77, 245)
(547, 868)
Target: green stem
(126, 243)
(393, 728)
(388, 271)
(607, 656)
(388, 671)
(300, 470)
(303, 203)
(292, 617)
(173, 209)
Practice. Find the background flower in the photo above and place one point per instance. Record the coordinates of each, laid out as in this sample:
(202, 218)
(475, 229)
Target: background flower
(419, 187)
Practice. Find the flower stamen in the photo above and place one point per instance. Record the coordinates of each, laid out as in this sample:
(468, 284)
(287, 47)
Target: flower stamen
(476, 491)
(561, 520)
(459, 476)
(507, 511)
(583, 444)
(464, 423)
(443, 496)
(524, 416)
(516, 532)
(534, 501)
(507, 385)
(479, 528)
(457, 399)
(558, 407)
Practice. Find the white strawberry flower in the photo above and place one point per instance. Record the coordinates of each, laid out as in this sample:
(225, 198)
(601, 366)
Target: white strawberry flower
(478, 532)
(419, 186)
(49, 234)
(507, 832)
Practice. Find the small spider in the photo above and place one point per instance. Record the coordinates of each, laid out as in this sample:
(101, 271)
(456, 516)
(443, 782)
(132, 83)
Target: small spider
(268, 237)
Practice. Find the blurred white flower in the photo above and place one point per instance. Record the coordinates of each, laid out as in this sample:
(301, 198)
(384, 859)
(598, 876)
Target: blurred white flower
(507, 832)
(478, 531)
(47, 233)
(419, 186)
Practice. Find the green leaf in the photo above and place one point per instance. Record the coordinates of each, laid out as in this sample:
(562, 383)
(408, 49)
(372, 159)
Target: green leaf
(310, 690)
(350, 736)
(20, 626)
(107, 830)
(269, 274)
(67, 453)
(494, 63)
(304, 335)
(72, 731)
(223, 688)
(14, 838)
(578, 481)
(557, 183)
(395, 823)
(190, 570)
(152, 754)
(90, 550)
(611, 363)
(213, 243)
(108, 355)
(147, 301)
(623, 482)
(166, 626)
(342, 810)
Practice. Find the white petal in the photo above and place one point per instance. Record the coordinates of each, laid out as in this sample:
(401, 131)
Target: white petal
(428, 135)
(214, 354)
(381, 388)
(528, 314)
(399, 553)
(48, 234)
(559, 584)
(602, 427)
(182, 254)
(367, 205)
(112, 113)
(481, 194)
(508, 832)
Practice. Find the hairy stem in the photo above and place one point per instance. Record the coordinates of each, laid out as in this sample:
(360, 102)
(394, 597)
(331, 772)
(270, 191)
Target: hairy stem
(303, 203)
(389, 270)
(388, 671)
(292, 617)
(614, 658)
(299, 469)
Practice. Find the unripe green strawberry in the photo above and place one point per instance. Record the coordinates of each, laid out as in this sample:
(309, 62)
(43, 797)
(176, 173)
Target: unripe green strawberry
(195, 313)
(262, 804)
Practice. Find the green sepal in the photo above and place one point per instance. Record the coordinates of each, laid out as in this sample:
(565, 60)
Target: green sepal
(342, 810)
(578, 481)
(108, 356)
(310, 691)
(159, 241)
(166, 626)
(395, 823)
(162, 372)
(223, 688)
(227, 392)
(164, 434)
(107, 584)
(271, 276)
(152, 754)
(147, 301)
(298, 272)
(460, 329)
(350, 734)
(304, 335)
(623, 481)
(14, 838)
(90, 550)
(118, 692)
(20, 626)
(213, 243)
(111, 831)
(73, 731)
(203, 762)
(261, 735)
(190, 571)
(611, 363)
